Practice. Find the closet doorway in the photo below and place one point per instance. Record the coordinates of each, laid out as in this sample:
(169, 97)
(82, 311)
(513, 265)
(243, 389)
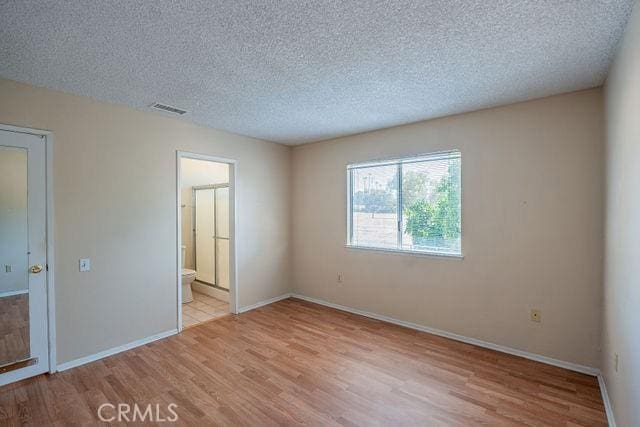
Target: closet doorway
(206, 245)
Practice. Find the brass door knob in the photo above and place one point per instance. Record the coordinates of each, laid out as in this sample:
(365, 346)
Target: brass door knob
(35, 269)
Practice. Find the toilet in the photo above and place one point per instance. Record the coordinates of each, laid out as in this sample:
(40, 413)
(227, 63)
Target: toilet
(188, 276)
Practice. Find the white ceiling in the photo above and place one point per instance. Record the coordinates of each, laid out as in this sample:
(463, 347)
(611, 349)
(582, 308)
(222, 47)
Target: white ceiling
(296, 71)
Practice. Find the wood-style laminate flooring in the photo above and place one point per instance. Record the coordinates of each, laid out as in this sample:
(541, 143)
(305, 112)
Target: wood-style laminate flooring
(294, 362)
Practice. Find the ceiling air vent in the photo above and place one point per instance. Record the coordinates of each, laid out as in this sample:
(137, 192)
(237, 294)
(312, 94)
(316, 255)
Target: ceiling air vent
(168, 109)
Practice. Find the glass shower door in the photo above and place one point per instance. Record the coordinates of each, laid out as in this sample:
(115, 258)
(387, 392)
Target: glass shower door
(205, 236)
(222, 237)
(212, 235)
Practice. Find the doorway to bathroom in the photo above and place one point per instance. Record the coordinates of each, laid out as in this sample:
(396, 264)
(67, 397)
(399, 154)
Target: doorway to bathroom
(206, 263)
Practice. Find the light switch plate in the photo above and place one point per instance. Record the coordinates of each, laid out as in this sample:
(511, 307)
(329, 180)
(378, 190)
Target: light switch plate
(85, 264)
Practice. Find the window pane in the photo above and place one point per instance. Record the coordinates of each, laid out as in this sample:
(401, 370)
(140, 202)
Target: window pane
(374, 200)
(431, 205)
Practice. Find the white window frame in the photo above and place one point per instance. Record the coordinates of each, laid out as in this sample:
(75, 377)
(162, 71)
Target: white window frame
(399, 162)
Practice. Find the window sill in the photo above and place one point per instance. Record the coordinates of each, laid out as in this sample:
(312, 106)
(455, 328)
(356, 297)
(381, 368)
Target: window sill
(406, 252)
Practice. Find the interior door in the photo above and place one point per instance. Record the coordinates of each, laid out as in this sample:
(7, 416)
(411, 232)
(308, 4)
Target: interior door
(24, 345)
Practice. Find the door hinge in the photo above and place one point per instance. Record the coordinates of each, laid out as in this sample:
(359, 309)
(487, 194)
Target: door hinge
(46, 267)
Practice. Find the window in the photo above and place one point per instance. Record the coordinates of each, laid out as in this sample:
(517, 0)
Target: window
(411, 205)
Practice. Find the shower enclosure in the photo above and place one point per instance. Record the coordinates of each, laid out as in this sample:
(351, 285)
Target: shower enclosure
(211, 234)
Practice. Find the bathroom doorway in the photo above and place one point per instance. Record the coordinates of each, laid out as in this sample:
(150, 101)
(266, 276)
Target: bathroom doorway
(206, 252)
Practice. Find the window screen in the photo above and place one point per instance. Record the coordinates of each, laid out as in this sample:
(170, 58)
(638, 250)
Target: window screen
(411, 204)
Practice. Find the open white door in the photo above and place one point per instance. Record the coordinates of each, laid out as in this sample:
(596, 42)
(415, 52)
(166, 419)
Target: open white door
(24, 349)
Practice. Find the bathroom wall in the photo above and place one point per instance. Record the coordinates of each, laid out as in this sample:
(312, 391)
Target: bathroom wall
(13, 220)
(195, 173)
(114, 172)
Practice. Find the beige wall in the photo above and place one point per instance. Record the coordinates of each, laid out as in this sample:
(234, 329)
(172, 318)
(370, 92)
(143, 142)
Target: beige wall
(621, 325)
(115, 202)
(532, 228)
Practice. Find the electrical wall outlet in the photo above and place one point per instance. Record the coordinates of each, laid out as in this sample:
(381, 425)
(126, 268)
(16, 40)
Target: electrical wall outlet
(616, 361)
(536, 315)
(340, 277)
(85, 264)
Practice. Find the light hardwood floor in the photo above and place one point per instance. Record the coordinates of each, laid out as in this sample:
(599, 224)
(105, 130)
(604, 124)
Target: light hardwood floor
(294, 362)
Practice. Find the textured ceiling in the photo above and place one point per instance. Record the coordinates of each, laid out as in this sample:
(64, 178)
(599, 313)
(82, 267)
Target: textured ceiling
(295, 71)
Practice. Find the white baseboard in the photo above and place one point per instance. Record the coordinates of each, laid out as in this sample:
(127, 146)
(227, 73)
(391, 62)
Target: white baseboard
(263, 303)
(497, 347)
(137, 343)
(13, 293)
(115, 350)
(607, 403)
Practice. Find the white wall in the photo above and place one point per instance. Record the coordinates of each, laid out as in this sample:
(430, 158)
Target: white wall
(621, 326)
(13, 220)
(194, 173)
(532, 227)
(115, 202)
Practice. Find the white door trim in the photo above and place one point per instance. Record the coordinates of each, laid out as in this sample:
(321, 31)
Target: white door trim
(233, 215)
(47, 137)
